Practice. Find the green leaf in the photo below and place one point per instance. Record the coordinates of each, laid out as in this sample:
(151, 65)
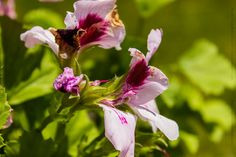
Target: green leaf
(1, 142)
(4, 108)
(174, 95)
(207, 68)
(147, 8)
(191, 141)
(33, 144)
(44, 17)
(39, 84)
(80, 131)
(217, 134)
(217, 111)
(18, 64)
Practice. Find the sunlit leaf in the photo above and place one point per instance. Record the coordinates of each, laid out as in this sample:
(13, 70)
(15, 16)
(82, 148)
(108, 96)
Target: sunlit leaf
(217, 134)
(191, 141)
(44, 17)
(207, 68)
(217, 111)
(18, 64)
(39, 83)
(149, 7)
(80, 131)
(4, 107)
(1, 142)
(174, 95)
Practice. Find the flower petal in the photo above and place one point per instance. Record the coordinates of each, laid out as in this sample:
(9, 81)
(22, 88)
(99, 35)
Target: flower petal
(37, 35)
(8, 8)
(158, 76)
(70, 20)
(99, 7)
(148, 112)
(136, 56)
(112, 38)
(119, 129)
(154, 85)
(154, 40)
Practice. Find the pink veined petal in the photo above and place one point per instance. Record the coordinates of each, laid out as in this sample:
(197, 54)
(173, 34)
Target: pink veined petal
(147, 112)
(153, 86)
(70, 20)
(120, 129)
(153, 42)
(38, 35)
(112, 38)
(158, 76)
(136, 56)
(98, 7)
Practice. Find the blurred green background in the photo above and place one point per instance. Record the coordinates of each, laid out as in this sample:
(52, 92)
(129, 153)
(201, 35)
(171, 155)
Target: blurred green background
(197, 54)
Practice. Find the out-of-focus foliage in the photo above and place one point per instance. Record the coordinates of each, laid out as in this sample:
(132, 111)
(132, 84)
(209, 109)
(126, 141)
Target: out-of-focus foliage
(207, 69)
(199, 98)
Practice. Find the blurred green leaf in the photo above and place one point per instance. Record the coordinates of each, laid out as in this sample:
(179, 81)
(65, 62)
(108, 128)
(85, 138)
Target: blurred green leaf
(174, 95)
(44, 17)
(80, 131)
(39, 83)
(18, 64)
(4, 107)
(193, 96)
(208, 69)
(33, 144)
(191, 141)
(148, 7)
(1, 142)
(217, 134)
(217, 111)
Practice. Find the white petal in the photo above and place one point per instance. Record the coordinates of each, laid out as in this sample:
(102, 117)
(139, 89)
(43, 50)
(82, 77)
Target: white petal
(136, 56)
(146, 93)
(158, 76)
(120, 129)
(153, 42)
(146, 112)
(98, 7)
(113, 38)
(37, 35)
(70, 20)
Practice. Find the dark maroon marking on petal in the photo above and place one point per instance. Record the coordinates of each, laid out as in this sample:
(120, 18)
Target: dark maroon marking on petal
(138, 73)
(95, 27)
(89, 21)
(94, 33)
(67, 35)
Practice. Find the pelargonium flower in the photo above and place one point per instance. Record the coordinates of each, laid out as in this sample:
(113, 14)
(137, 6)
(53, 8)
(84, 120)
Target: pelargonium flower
(67, 82)
(7, 7)
(142, 85)
(93, 22)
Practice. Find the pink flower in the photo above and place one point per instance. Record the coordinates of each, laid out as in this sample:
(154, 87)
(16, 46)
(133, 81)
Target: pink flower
(93, 22)
(67, 82)
(142, 85)
(7, 8)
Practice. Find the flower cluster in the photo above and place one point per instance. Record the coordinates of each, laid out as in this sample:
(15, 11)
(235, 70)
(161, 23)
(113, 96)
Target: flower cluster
(96, 22)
